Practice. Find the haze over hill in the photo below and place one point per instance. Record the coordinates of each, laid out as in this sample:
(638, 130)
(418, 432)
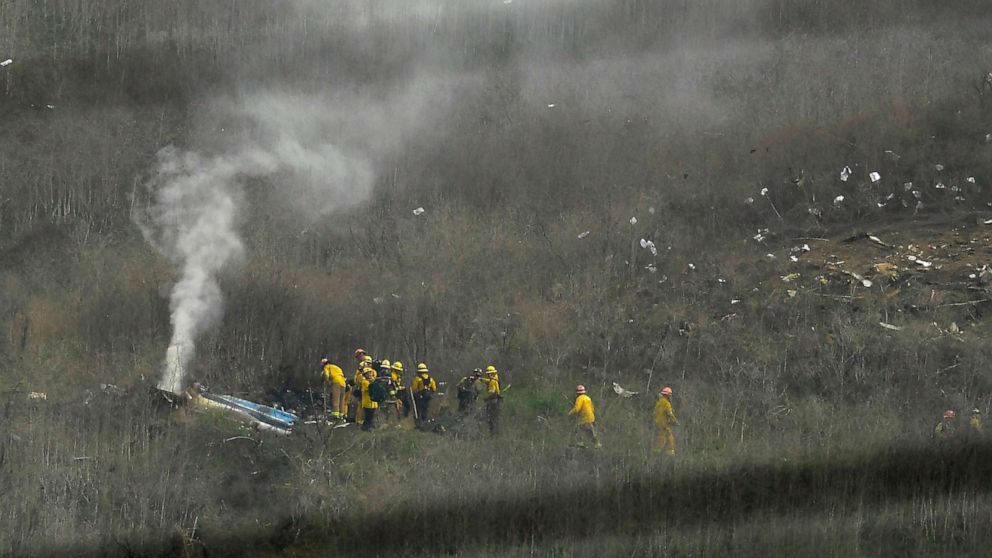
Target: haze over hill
(611, 192)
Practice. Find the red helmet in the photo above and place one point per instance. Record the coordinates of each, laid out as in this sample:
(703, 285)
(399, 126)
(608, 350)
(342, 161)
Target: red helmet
(359, 352)
(580, 389)
(666, 390)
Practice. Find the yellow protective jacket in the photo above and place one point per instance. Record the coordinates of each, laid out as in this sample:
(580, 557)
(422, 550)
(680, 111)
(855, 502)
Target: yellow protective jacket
(584, 410)
(419, 384)
(492, 387)
(975, 422)
(367, 402)
(359, 376)
(334, 375)
(398, 379)
(664, 416)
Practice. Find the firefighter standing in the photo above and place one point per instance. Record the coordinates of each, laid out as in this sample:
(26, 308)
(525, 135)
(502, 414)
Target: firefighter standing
(946, 428)
(493, 399)
(424, 387)
(975, 423)
(585, 413)
(664, 419)
(368, 405)
(467, 394)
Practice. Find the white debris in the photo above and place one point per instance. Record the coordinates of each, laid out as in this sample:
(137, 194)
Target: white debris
(761, 236)
(583, 234)
(6, 62)
(37, 395)
(772, 256)
(647, 244)
(507, 1)
(838, 199)
(940, 186)
(764, 191)
(50, 107)
(890, 196)
(625, 393)
(893, 154)
(988, 138)
(845, 173)
(652, 269)
(939, 167)
(749, 200)
(874, 176)
(734, 301)
(970, 179)
(721, 280)
(692, 267)
(651, 210)
(907, 186)
(633, 220)
(552, 105)
(793, 259)
(419, 211)
(890, 326)
(917, 194)
(959, 198)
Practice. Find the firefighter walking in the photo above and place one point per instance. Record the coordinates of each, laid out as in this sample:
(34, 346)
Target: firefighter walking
(585, 413)
(664, 419)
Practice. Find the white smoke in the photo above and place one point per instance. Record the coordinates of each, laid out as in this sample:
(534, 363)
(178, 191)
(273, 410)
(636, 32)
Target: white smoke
(193, 220)
(320, 153)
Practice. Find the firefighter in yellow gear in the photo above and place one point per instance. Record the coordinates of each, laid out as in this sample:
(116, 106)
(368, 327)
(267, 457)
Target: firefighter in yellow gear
(335, 380)
(946, 428)
(402, 390)
(368, 406)
(364, 362)
(424, 387)
(493, 398)
(585, 413)
(975, 423)
(664, 419)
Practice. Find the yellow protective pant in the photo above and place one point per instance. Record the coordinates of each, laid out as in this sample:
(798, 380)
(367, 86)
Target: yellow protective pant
(665, 441)
(337, 400)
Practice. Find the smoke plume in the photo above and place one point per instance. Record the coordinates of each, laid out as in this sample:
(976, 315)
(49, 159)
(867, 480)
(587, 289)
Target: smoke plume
(320, 153)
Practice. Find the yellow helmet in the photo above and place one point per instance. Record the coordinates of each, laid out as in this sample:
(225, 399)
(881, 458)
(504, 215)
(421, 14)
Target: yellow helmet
(398, 366)
(384, 364)
(422, 367)
(490, 369)
(367, 370)
(366, 358)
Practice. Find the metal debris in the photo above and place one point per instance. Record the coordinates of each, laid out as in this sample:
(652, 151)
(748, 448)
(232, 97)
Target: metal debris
(874, 176)
(419, 211)
(583, 234)
(7, 62)
(845, 173)
(625, 393)
(838, 200)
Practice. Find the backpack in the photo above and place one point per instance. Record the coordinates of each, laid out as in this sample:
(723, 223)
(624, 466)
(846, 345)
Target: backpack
(426, 392)
(378, 392)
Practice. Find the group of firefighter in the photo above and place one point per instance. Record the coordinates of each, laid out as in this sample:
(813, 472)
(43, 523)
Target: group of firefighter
(947, 429)
(378, 393)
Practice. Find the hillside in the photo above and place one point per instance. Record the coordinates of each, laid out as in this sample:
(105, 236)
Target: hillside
(780, 208)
